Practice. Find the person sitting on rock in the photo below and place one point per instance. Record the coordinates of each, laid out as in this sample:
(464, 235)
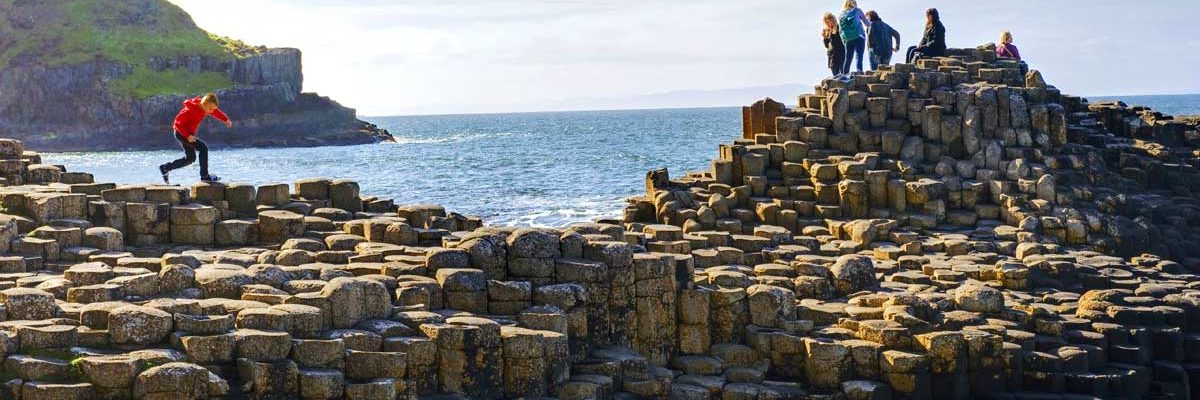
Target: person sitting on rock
(835, 50)
(186, 122)
(933, 43)
(1006, 49)
(880, 37)
(851, 26)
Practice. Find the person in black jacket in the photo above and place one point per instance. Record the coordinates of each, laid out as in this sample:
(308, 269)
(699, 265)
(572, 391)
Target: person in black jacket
(882, 40)
(933, 44)
(834, 48)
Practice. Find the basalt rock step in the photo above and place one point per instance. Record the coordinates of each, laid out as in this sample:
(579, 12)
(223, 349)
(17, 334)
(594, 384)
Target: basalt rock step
(1006, 233)
(947, 230)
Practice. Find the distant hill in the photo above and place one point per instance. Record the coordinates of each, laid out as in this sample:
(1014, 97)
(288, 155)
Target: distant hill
(110, 74)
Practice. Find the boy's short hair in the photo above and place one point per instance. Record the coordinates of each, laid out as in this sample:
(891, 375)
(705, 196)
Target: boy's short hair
(210, 98)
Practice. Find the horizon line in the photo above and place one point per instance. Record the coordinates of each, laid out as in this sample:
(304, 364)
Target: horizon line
(434, 114)
(545, 111)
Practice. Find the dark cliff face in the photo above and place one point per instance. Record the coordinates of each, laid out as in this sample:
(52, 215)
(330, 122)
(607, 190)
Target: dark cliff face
(272, 67)
(57, 105)
(69, 108)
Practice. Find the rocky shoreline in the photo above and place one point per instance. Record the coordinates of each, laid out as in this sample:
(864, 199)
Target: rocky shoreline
(950, 229)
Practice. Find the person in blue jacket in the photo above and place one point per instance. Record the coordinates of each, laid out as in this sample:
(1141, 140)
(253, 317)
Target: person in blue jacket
(852, 23)
(882, 40)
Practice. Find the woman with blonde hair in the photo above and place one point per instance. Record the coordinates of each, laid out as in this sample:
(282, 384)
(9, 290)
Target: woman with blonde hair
(835, 50)
(853, 23)
(1005, 48)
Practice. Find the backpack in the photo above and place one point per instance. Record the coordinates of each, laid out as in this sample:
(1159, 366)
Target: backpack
(849, 25)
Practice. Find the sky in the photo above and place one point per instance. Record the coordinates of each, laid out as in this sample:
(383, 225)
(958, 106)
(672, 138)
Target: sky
(463, 56)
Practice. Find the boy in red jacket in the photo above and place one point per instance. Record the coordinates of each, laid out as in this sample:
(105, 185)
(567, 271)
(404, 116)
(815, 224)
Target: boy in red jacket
(189, 118)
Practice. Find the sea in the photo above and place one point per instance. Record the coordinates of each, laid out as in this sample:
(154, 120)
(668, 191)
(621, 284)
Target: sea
(517, 169)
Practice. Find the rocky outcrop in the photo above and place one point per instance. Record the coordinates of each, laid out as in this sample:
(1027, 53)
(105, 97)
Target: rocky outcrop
(1021, 240)
(70, 107)
(962, 141)
(112, 74)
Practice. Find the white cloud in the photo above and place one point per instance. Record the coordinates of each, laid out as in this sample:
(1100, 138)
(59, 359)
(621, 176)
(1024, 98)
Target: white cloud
(385, 57)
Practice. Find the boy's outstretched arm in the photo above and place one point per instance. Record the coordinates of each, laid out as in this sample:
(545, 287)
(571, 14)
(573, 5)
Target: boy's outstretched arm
(220, 115)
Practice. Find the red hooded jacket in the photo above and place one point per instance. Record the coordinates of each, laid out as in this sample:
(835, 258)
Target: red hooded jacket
(191, 115)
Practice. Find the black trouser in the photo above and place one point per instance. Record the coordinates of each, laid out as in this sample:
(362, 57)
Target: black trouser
(913, 54)
(836, 66)
(883, 57)
(189, 150)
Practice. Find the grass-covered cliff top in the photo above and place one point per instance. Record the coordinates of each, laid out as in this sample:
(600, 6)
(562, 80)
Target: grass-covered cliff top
(64, 32)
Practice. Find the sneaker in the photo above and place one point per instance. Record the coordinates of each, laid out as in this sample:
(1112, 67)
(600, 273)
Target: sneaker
(164, 172)
(211, 178)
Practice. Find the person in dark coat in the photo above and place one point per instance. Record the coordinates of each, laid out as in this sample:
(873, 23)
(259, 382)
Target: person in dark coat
(933, 43)
(835, 50)
(882, 40)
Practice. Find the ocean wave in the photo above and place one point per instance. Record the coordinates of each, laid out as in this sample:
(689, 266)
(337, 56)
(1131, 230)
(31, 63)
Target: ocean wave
(554, 218)
(540, 211)
(452, 138)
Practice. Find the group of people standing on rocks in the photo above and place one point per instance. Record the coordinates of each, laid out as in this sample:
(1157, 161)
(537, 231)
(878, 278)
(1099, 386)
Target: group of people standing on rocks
(852, 32)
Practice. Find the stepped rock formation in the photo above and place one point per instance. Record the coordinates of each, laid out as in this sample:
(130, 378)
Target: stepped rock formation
(947, 230)
(70, 103)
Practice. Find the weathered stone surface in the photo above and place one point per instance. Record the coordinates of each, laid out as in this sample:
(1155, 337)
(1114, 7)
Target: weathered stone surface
(261, 345)
(138, 325)
(109, 371)
(193, 214)
(179, 380)
(354, 300)
(852, 274)
(978, 298)
(211, 349)
(30, 304)
(276, 226)
(235, 232)
(953, 228)
(104, 239)
(221, 282)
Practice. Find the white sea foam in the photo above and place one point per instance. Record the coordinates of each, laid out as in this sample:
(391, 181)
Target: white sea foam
(453, 138)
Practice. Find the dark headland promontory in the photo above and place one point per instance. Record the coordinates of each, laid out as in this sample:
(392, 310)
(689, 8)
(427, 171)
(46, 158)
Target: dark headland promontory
(94, 75)
(952, 229)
